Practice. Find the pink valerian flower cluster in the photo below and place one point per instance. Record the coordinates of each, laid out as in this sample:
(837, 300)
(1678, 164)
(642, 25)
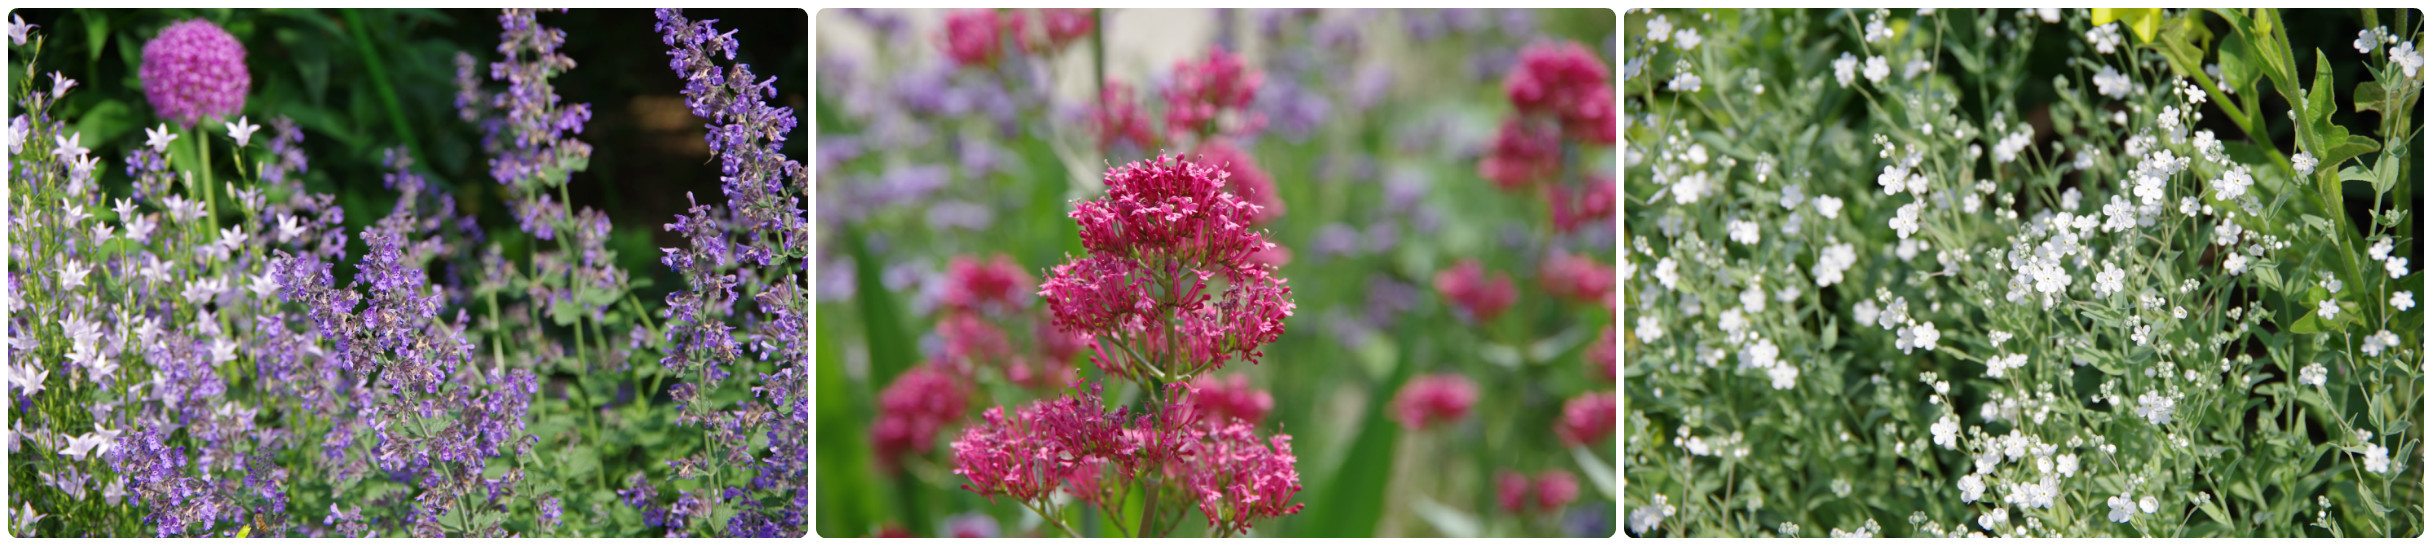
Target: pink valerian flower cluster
(1600, 355)
(1075, 445)
(1547, 493)
(1117, 119)
(1570, 83)
(1577, 279)
(1573, 208)
(1434, 399)
(192, 71)
(1231, 398)
(1169, 287)
(1202, 92)
(1586, 418)
(1523, 154)
(1467, 286)
(982, 301)
(979, 37)
(911, 411)
(1250, 182)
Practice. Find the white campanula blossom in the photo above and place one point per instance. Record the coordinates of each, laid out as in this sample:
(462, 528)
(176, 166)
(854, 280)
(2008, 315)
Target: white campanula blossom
(241, 130)
(2110, 82)
(2314, 374)
(2407, 59)
(1845, 69)
(71, 274)
(1905, 221)
(2403, 300)
(160, 138)
(1876, 69)
(2304, 162)
(67, 150)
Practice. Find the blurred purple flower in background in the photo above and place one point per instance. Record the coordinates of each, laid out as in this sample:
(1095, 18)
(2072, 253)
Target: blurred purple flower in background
(193, 71)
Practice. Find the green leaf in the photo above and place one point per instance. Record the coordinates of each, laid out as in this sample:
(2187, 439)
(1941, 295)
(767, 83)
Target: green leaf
(1451, 522)
(2238, 70)
(1356, 493)
(1600, 473)
(2318, 224)
(882, 322)
(2143, 21)
(844, 473)
(97, 32)
(2347, 146)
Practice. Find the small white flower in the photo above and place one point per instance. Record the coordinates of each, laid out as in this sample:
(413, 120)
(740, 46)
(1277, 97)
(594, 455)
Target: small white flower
(1647, 516)
(2304, 162)
(1667, 272)
(16, 35)
(2403, 300)
(2106, 38)
(159, 139)
(1876, 69)
(1845, 69)
(2112, 83)
(1688, 38)
(1659, 29)
(2233, 184)
(2227, 233)
(289, 229)
(2049, 15)
(2397, 266)
(1946, 434)
(2148, 504)
(2367, 40)
(2380, 250)
(1791, 197)
(1828, 206)
(1687, 82)
(223, 351)
(2329, 309)
(2314, 374)
(2380, 341)
(2236, 263)
(241, 130)
(1690, 188)
(1971, 487)
(1924, 336)
(2109, 281)
(1753, 299)
(2122, 508)
(1743, 231)
(263, 286)
(1905, 221)
(1784, 377)
(68, 151)
(2156, 408)
(2376, 459)
(1997, 517)
(1876, 31)
(2068, 464)
(28, 376)
(2409, 60)
(71, 274)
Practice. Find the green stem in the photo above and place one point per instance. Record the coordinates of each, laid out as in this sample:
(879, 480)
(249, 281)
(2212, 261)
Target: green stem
(380, 83)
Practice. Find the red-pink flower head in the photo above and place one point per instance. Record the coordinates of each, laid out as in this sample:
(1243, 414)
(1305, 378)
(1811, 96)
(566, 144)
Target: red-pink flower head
(1466, 285)
(971, 285)
(1587, 418)
(1577, 279)
(971, 340)
(194, 70)
(1047, 442)
(1221, 401)
(1600, 355)
(1556, 489)
(1056, 343)
(1570, 83)
(1200, 92)
(912, 409)
(1165, 230)
(1247, 181)
(1240, 480)
(1523, 154)
(1591, 202)
(1117, 118)
(1066, 25)
(1512, 490)
(975, 37)
(1434, 399)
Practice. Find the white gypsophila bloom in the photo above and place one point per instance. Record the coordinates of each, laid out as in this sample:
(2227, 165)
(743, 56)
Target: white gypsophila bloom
(1743, 231)
(2110, 82)
(1997, 337)
(1924, 335)
(1687, 82)
(1845, 69)
(1687, 38)
(2109, 281)
(1784, 376)
(2233, 183)
(1828, 206)
(2208, 147)
(1667, 272)
(2376, 459)
(1732, 322)
(2304, 162)
(1659, 29)
(2403, 300)
(2067, 464)
(2227, 233)
(1998, 516)
(1697, 154)
(1647, 516)
(2314, 374)
(2329, 309)
(2381, 249)
(1905, 221)
(2122, 508)
(1689, 189)
(2368, 40)
(2155, 407)
(1893, 178)
(2137, 145)
(2106, 38)
(2236, 263)
(2007, 150)
(1762, 354)
(1833, 262)
(2050, 278)
(1971, 487)
(2397, 266)
(1787, 294)
(1907, 250)
(2408, 60)
(1876, 69)
(1753, 298)
(1650, 329)
(1791, 197)
(1877, 32)
(1999, 366)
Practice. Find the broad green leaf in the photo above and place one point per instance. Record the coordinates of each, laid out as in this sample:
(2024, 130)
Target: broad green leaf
(2238, 68)
(2144, 21)
(2347, 147)
(1355, 494)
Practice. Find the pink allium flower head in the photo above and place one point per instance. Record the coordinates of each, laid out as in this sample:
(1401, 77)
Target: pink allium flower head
(1587, 418)
(1169, 223)
(194, 70)
(1578, 279)
(1592, 202)
(1600, 355)
(1247, 181)
(1569, 82)
(912, 409)
(973, 37)
(972, 285)
(1117, 118)
(1224, 400)
(1523, 154)
(1556, 489)
(1511, 490)
(1200, 92)
(1433, 399)
(1466, 285)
